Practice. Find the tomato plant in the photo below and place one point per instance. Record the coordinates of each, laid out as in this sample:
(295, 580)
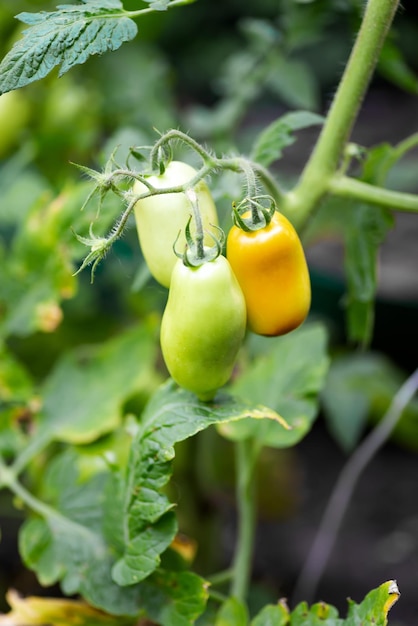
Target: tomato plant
(88, 424)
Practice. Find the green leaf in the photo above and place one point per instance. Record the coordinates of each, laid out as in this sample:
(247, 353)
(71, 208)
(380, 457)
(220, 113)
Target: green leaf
(365, 231)
(363, 228)
(67, 544)
(372, 610)
(293, 82)
(65, 37)
(171, 416)
(174, 598)
(83, 395)
(359, 388)
(36, 273)
(279, 134)
(78, 539)
(15, 381)
(381, 160)
(393, 67)
(375, 606)
(287, 377)
(377, 163)
(320, 614)
(305, 22)
(16, 392)
(232, 613)
(272, 615)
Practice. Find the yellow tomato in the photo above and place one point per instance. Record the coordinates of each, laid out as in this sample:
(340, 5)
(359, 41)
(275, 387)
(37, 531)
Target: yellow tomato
(271, 269)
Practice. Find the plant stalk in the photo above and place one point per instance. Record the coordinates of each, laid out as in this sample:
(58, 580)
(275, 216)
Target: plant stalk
(247, 453)
(346, 187)
(325, 158)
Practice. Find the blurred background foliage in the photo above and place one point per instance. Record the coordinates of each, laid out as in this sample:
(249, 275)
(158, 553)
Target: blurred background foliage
(221, 73)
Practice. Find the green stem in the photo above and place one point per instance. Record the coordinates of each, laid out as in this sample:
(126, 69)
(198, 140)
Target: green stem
(34, 447)
(347, 187)
(250, 178)
(269, 182)
(211, 162)
(178, 135)
(220, 577)
(140, 12)
(218, 597)
(247, 452)
(199, 233)
(324, 160)
(8, 480)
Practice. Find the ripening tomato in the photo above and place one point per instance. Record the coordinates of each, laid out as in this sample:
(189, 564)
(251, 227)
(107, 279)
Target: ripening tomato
(203, 326)
(271, 269)
(160, 218)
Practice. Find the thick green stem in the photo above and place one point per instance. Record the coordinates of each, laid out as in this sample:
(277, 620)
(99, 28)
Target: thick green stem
(246, 456)
(325, 158)
(347, 187)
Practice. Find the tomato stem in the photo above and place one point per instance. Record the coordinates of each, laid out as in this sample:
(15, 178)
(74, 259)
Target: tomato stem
(250, 188)
(177, 135)
(325, 158)
(247, 453)
(199, 234)
(347, 187)
(220, 577)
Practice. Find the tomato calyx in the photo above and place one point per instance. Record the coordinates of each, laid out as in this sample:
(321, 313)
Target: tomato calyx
(260, 208)
(195, 252)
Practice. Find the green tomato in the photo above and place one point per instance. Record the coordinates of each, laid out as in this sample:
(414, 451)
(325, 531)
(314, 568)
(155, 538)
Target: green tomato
(160, 218)
(14, 116)
(203, 326)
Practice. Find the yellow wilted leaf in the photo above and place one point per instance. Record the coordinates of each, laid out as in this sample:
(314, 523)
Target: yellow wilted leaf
(34, 611)
(185, 547)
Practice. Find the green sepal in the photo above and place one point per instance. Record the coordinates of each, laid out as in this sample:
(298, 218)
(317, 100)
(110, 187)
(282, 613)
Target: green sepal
(260, 217)
(195, 253)
(137, 153)
(162, 158)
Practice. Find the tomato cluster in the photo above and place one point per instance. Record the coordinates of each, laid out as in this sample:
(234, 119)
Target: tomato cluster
(261, 284)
